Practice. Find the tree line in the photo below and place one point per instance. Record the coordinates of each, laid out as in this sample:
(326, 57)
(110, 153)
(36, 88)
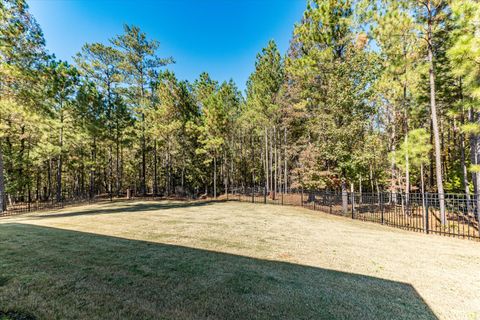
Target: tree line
(376, 95)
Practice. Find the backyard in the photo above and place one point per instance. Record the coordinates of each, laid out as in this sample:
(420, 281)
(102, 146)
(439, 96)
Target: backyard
(228, 260)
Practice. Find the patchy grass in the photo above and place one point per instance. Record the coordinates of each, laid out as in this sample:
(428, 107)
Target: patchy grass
(228, 260)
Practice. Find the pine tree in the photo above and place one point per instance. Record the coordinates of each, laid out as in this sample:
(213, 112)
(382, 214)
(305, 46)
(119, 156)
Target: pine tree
(464, 55)
(63, 79)
(100, 63)
(328, 67)
(139, 62)
(394, 30)
(430, 14)
(262, 108)
(22, 56)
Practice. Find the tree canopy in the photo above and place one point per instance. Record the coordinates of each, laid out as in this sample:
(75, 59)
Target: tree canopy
(371, 95)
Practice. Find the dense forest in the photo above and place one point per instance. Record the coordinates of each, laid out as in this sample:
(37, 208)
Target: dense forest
(372, 95)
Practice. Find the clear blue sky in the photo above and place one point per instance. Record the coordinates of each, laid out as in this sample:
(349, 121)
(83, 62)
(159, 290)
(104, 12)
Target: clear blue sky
(221, 37)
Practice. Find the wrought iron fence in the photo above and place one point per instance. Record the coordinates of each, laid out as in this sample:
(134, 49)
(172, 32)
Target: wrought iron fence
(414, 211)
(18, 204)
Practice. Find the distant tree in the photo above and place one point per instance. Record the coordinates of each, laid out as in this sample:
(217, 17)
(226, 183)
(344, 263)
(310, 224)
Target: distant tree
(430, 16)
(262, 112)
(465, 57)
(418, 148)
(22, 56)
(63, 79)
(100, 64)
(139, 62)
(395, 32)
(327, 65)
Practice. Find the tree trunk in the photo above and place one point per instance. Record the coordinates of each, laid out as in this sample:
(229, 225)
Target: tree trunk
(270, 164)
(110, 173)
(464, 167)
(252, 183)
(393, 184)
(49, 179)
(407, 164)
(3, 205)
(422, 178)
(275, 165)
(215, 177)
(477, 176)
(473, 148)
(352, 195)
(120, 174)
(155, 180)
(59, 161)
(143, 177)
(432, 160)
(279, 162)
(183, 179)
(92, 169)
(433, 110)
(117, 167)
(169, 174)
(285, 166)
(462, 151)
(266, 162)
(225, 173)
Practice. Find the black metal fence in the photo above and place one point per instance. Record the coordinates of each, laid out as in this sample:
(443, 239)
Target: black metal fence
(414, 211)
(20, 204)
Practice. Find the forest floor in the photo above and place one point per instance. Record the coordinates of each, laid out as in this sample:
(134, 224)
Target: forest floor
(228, 260)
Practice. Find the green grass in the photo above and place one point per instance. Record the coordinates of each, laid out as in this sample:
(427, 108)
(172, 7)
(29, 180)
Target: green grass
(219, 261)
(58, 274)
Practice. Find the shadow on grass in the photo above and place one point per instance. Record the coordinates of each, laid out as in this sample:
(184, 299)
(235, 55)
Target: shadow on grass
(53, 273)
(132, 206)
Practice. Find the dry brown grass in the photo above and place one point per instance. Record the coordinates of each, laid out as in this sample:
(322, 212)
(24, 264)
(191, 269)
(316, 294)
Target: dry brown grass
(222, 260)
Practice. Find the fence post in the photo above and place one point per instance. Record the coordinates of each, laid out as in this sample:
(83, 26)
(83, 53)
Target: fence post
(282, 198)
(314, 198)
(301, 196)
(427, 228)
(265, 195)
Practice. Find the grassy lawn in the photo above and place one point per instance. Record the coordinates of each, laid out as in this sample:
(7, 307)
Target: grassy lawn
(228, 260)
